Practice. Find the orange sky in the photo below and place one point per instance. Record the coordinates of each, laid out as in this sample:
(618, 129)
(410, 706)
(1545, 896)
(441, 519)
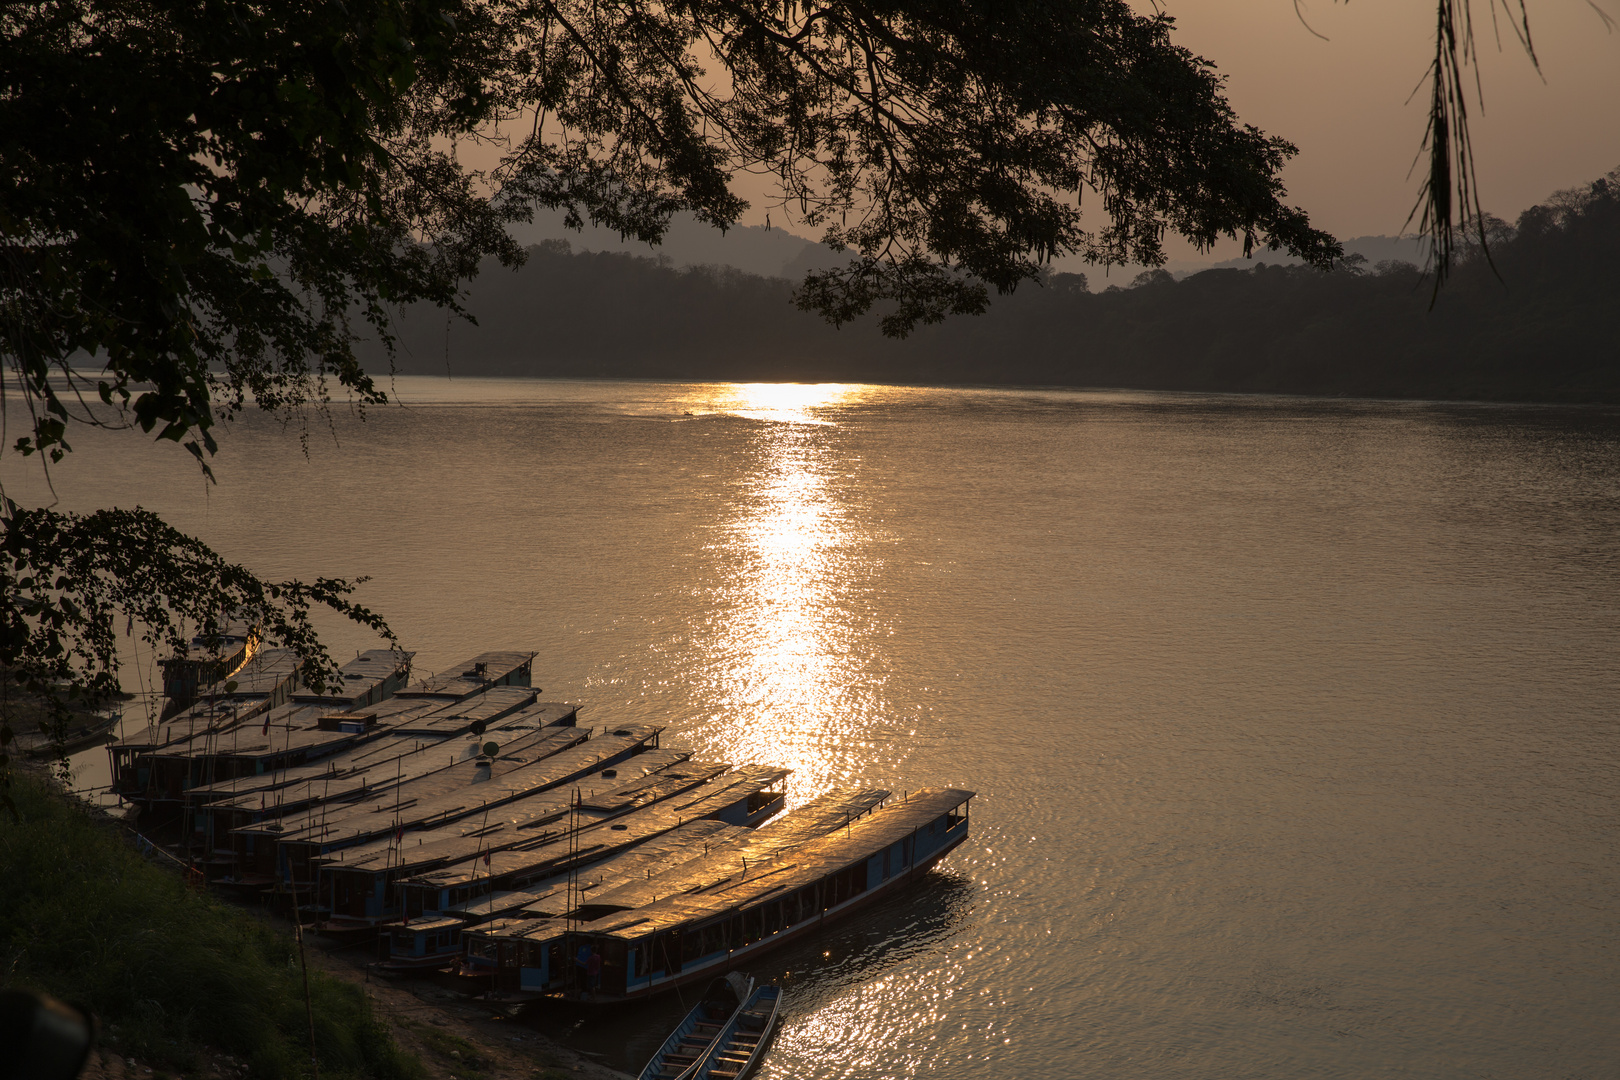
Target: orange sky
(1343, 101)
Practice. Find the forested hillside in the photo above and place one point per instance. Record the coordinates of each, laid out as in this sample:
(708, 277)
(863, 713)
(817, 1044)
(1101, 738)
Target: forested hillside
(1538, 320)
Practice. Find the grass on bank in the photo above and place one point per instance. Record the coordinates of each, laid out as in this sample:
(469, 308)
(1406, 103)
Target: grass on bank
(84, 917)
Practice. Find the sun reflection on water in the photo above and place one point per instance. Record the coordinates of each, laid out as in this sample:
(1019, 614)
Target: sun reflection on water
(797, 403)
(788, 673)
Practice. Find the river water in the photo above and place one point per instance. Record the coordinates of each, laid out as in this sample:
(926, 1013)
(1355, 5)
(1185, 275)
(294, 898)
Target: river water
(1294, 723)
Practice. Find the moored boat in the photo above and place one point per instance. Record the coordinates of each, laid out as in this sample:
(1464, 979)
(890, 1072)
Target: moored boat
(80, 732)
(695, 1035)
(688, 935)
(739, 1047)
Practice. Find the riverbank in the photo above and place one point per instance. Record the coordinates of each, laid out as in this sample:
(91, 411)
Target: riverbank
(1535, 322)
(185, 984)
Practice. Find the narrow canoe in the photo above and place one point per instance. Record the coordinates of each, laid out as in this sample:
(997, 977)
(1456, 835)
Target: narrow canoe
(693, 1037)
(742, 1044)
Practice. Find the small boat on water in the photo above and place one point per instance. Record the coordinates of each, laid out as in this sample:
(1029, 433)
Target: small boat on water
(739, 1047)
(694, 1036)
(81, 731)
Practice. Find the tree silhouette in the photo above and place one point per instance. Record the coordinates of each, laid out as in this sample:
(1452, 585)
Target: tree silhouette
(205, 199)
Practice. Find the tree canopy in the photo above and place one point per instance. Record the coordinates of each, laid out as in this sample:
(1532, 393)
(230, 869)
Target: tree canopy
(208, 201)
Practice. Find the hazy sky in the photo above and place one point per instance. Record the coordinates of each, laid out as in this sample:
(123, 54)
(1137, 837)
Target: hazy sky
(1347, 102)
(1344, 101)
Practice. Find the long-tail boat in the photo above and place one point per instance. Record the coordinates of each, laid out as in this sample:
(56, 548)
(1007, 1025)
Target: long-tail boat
(696, 1033)
(688, 936)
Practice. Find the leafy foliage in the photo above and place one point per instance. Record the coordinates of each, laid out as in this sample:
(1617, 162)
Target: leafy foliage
(198, 197)
(946, 145)
(199, 194)
(68, 577)
(207, 203)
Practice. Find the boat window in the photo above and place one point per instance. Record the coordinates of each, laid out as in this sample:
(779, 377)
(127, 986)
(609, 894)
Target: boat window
(553, 959)
(668, 953)
(840, 887)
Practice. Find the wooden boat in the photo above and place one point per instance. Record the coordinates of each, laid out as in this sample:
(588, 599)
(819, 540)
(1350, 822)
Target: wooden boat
(708, 922)
(741, 1045)
(692, 1039)
(83, 731)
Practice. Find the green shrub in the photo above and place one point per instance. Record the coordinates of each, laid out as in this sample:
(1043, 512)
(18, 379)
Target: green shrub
(86, 918)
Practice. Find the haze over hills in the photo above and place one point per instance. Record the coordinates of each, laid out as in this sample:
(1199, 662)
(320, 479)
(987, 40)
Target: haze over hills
(754, 249)
(1538, 321)
(776, 252)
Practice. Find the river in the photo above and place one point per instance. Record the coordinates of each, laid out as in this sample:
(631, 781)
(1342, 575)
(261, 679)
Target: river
(1293, 722)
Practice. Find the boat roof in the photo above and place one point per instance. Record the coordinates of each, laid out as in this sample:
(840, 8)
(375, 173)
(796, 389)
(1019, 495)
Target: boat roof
(616, 869)
(388, 749)
(552, 843)
(251, 740)
(360, 678)
(460, 680)
(808, 864)
(501, 781)
(788, 832)
(431, 924)
(286, 799)
(186, 726)
(722, 855)
(396, 756)
(435, 776)
(519, 818)
(543, 714)
(264, 674)
(491, 707)
(220, 714)
(603, 838)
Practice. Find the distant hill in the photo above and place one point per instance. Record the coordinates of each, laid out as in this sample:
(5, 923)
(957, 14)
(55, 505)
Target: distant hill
(753, 249)
(1375, 249)
(1546, 329)
(777, 253)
